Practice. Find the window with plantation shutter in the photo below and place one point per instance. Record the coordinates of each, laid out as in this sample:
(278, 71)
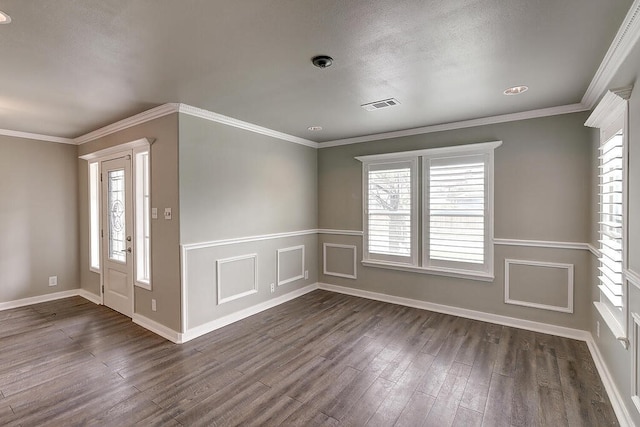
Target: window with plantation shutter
(456, 200)
(611, 218)
(390, 211)
(610, 116)
(454, 213)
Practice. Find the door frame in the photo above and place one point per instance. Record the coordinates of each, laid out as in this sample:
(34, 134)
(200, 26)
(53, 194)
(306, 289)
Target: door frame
(112, 153)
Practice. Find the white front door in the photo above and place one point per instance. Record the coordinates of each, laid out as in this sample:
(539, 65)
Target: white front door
(117, 235)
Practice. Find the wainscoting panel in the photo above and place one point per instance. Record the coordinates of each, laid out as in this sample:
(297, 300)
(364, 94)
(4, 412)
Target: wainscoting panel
(236, 277)
(544, 285)
(225, 277)
(340, 260)
(290, 264)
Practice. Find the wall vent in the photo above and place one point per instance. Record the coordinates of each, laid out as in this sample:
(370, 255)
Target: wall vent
(377, 105)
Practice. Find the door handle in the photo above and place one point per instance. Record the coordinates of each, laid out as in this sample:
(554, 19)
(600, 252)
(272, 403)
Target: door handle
(129, 250)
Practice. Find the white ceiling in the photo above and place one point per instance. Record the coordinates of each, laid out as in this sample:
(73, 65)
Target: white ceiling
(72, 66)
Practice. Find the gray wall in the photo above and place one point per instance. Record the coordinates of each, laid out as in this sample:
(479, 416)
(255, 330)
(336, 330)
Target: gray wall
(38, 218)
(542, 192)
(165, 234)
(235, 183)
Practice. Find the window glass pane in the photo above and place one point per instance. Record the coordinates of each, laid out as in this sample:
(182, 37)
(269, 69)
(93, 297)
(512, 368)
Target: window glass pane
(389, 219)
(94, 215)
(116, 226)
(457, 212)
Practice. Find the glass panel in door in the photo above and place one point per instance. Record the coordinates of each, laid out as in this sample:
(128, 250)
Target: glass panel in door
(117, 224)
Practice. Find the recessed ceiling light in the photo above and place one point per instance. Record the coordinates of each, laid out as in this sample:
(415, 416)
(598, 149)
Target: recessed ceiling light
(516, 90)
(4, 18)
(314, 128)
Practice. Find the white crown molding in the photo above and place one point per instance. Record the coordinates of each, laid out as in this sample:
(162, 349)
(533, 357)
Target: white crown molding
(230, 121)
(504, 118)
(620, 48)
(610, 107)
(36, 136)
(145, 116)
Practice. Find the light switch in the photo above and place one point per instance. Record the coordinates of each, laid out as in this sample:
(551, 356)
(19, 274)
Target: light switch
(167, 213)
(154, 213)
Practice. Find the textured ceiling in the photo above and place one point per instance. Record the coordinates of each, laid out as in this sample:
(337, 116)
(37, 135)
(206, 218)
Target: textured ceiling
(70, 67)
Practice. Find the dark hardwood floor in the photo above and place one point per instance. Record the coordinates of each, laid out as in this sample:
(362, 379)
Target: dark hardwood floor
(322, 359)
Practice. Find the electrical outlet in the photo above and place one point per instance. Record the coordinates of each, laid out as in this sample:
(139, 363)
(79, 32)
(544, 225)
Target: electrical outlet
(153, 305)
(53, 280)
(167, 213)
(273, 287)
(306, 274)
(598, 328)
(154, 213)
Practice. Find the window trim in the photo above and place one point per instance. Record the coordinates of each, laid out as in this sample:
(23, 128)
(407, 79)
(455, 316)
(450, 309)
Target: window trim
(420, 265)
(606, 117)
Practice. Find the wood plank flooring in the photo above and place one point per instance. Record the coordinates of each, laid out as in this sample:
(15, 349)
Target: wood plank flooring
(322, 359)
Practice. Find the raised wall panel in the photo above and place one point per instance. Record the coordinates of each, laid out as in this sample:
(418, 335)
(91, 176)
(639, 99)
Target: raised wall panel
(289, 264)
(339, 260)
(237, 277)
(537, 284)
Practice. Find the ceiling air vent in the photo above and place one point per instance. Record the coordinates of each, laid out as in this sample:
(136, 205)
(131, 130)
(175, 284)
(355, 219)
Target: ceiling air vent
(377, 105)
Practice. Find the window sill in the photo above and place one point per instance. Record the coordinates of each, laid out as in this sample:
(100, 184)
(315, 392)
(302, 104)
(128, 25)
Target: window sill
(143, 285)
(612, 323)
(483, 277)
(95, 270)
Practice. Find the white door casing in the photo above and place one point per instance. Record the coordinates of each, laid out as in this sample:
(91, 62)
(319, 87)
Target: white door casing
(117, 234)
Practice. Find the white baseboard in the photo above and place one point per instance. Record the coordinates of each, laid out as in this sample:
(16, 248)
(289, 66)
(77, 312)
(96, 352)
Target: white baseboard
(37, 300)
(463, 312)
(157, 328)
(90, 296)
(624, 418)
(250, 311)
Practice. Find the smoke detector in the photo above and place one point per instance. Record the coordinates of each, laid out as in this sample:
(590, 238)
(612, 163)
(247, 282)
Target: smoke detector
(377, 105)
(322, 61)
